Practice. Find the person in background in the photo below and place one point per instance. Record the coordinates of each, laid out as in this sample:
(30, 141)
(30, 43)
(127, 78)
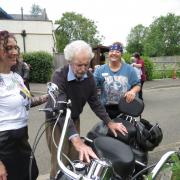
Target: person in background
(76, 83)
(22, 69)
(137, 70)
(15, 101)
(116, 79)
(140, 64)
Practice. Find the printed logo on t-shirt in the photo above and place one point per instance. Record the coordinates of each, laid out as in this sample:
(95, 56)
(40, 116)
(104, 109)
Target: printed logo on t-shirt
(114, 88)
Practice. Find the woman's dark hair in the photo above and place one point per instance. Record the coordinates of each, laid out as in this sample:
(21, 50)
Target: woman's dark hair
(14, 67)
(136, 55)
(118, 43)
(4, 36)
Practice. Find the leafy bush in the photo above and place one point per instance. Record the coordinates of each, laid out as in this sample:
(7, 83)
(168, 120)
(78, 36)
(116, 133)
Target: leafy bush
(178, 74)
(127, 57)
(148, 67)
(41, 66)
(158, 75)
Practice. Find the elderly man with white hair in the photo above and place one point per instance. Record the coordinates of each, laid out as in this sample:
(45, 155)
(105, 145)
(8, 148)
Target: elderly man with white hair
(76, 82)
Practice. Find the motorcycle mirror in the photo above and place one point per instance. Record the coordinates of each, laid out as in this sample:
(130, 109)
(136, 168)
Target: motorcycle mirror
(53, 91)
(52, 87)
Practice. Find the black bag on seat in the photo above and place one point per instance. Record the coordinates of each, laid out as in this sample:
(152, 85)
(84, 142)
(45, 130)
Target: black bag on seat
(148, 136)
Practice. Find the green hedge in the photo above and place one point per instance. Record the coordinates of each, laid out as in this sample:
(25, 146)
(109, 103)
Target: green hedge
(41, 66)
(127, 57)
(147, 63)
(148, 67)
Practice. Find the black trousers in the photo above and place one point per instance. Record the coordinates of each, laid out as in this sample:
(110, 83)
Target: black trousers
(15, 154)
(140, 92)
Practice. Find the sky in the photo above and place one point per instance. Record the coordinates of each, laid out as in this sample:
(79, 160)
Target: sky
(114, 18)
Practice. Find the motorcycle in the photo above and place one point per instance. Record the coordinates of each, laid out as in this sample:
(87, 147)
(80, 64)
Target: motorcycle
(118, 159)
(133, 147)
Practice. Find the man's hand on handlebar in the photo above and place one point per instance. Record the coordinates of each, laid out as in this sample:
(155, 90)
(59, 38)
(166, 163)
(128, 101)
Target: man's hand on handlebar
(85, 152)
(117, 127)
(3, 173)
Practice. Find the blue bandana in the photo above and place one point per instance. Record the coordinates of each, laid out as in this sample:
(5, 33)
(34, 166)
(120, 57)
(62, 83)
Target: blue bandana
(116, 47)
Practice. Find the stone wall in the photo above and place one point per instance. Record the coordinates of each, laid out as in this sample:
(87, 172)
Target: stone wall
(59, 60)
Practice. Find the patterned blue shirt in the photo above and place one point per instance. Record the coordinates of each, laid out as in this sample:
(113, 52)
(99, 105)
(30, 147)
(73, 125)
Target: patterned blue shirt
(113, 85)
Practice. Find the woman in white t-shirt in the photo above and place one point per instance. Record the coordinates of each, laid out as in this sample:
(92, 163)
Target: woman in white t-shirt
(15, 101)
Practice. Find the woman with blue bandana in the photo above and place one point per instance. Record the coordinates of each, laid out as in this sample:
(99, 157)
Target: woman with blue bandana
(116, 79)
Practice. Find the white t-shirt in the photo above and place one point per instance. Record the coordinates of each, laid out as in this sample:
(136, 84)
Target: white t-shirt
(14, 102)
(138, 71)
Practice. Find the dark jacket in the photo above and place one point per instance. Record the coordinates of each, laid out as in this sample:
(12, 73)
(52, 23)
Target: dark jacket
(79, 92)
(22, 69)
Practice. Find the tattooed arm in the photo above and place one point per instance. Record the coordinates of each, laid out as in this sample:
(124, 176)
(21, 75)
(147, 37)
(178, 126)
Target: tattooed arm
(36, 101)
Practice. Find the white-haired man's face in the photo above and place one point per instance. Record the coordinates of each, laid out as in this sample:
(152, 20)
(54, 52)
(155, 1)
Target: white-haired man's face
(80, 64)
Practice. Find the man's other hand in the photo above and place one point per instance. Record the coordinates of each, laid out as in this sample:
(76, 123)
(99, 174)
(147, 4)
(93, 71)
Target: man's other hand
(117, 127)
(85, 152)
(3, 173)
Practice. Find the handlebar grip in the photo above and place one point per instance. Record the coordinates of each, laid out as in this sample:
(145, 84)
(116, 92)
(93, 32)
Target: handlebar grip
(46, 110)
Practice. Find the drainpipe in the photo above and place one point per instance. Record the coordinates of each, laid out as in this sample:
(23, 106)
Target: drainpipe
(22, 16)
(23, 34)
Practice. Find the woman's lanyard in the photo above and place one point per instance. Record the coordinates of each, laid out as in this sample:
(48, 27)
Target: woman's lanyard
(22, 87)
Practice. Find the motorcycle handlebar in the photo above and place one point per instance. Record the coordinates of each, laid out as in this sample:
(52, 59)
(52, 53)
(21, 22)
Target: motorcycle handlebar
(46, 110)
(68, 172)
(159, 165)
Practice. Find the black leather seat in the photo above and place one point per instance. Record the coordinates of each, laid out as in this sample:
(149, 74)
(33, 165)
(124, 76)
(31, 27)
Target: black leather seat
(127, 138)
(134, 108)
(118, 153)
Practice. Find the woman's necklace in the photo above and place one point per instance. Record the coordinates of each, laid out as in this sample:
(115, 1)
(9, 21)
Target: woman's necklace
(14, 82)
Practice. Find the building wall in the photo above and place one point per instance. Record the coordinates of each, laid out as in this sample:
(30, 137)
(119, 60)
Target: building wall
(39, 34)
(59, 60)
